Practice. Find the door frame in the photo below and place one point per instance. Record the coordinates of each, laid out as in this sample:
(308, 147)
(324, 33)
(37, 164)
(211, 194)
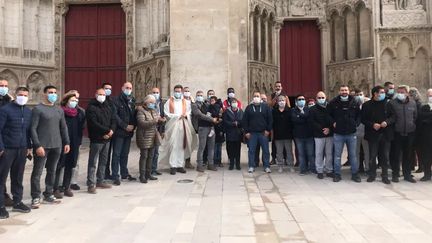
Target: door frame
(324, 28)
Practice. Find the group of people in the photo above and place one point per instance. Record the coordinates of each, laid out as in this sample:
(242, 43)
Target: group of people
(389, 128)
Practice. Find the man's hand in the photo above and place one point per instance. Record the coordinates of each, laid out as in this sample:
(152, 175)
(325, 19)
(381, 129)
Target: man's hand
(130, 128)
(162, 119)
(334, 125)
(29, 152)
(384, 124)
(215, 120)
(106, 137)
(376, 126)
(266, 133)
(247, 135)
(326, 131)
(40, 152)
(110, 133)
(235, 124)
(1, 153)
(66, 149)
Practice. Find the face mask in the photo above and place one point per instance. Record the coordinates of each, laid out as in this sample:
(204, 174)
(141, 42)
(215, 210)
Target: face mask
(186, 94)
(231, 95)
(127, 92)
(321, 101)
(310, 105)
(107, 92)
(278, 92)
(360, 98)
(73, 104)
(101, 98)
(401, 97)
(151, 106)
(430, 100)
(4, 91)
(177, 95)
(21, 100)
(381, 97)
(391, 91)
(200, 99)
(344, 98)
(52, 98)
(256, 100)
(157, 96)
(301, 103)
(234, 105)
(281, 103)
(209, 97)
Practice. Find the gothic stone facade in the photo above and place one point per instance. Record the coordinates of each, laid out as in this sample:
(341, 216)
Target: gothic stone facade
(215, 44)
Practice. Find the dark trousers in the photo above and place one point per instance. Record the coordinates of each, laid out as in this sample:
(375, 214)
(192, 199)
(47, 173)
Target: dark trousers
(66, 165)
(425, 158)
(379, 148)
(155, 159)
(145, 162)
(12, 160)
(402, 147)
(52, 156)
(233, 151)
(120, 156)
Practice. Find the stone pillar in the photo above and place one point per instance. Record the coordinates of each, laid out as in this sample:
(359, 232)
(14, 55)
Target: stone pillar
(266, 44)
(259, 19)
(251, 37)
(278, 27)
(325, 52)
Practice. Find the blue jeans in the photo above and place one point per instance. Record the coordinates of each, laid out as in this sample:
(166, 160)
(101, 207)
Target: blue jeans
(263, 141)
(306, 154)
(121, 146)
(217, 158)
(351, 142)
(155, 159)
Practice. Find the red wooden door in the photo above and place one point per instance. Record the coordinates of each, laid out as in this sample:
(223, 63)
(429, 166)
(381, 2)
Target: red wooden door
(300, 58)
(95, 46)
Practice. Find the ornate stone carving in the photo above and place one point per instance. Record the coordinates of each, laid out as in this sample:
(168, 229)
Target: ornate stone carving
(36, 82)
(397, 18)
(356, 74)
(262, 77)
(11, 77)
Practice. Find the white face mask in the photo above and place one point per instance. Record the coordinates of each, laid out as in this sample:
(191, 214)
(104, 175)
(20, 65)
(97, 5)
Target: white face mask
(281, 103)
(256, 100)
(231, 95)
(187, 94)
(21, 100)
(430, 99)
(101, 98)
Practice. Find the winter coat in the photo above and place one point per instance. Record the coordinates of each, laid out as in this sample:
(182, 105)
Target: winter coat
(100, 120)
(233, 130)
(146, 135)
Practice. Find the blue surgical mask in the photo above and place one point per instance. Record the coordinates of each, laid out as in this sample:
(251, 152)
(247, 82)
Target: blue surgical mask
(73, 104)
(391, 91)
(127, 92)
(200, 99)
(52, 98)
(108, 92)
(151, 106)
(4, 91)
(177, 95)
(344, 98)
(401, 97)
(301, 103)
(321, 101)
(381, 97)
(157, 96)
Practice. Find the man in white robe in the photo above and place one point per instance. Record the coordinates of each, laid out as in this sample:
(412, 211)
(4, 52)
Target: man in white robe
(180, 138)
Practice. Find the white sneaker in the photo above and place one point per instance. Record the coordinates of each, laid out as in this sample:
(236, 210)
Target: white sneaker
(280, 169)
(267, 170)
(251, 170)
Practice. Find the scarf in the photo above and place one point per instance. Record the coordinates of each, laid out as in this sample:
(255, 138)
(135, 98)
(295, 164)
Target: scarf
(72, 112)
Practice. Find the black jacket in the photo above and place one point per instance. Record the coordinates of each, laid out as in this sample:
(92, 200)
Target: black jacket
(125, 114)
(5, 100)
(100, 120)
(346, 115)
(405, 116)
(319, 118)
(257, 118)
(301, 125)
(15, 122)
(234, 133)
(282, 125)
(377, 112)
(75, 129)
(425, 126)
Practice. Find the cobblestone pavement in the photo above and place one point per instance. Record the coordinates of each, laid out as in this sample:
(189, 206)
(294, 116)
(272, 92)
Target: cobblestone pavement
(230, 206)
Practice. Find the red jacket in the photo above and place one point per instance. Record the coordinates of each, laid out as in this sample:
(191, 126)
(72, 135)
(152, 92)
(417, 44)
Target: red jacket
(226, 104)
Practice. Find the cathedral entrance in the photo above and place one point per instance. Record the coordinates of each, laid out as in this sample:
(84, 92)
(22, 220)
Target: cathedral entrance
(300, 58)
(95, 48)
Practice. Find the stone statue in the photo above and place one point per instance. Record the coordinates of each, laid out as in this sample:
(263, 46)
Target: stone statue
(401, 4)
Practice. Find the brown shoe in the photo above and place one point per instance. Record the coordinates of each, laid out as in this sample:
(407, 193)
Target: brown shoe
(8, 202)
(91, 190)
(188, 164)
(212, 167)
(103, 185)
(200, 169)
(68, 193)
(58, 194)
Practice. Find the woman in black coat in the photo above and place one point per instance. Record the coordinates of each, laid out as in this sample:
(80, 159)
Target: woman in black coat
(425, 137)
(75, 120)
(232, 118)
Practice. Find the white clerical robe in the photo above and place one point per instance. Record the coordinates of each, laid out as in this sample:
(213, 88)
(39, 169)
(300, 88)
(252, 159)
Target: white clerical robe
(180, 138)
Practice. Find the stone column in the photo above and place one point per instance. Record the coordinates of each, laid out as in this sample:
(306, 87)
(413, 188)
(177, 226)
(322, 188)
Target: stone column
(276, 49)
(266, 45)
(251, 36)
(259, 19)
(325, 51)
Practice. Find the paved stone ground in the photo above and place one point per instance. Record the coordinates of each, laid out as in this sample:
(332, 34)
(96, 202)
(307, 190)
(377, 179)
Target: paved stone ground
(230, 206)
